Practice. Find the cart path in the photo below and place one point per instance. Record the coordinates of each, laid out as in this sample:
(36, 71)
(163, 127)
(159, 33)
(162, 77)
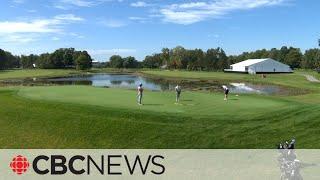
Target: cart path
(312, 78)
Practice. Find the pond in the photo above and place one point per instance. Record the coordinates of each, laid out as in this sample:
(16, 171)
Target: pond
(131, 81)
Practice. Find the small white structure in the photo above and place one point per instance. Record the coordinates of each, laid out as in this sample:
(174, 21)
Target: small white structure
(254, 66)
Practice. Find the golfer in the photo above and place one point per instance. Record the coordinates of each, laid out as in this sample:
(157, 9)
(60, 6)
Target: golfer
(178, 92)
(226, 92)
(140, 93)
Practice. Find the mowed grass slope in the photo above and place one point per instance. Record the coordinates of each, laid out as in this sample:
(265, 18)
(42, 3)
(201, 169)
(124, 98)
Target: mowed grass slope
(32, 73)
(87, 117)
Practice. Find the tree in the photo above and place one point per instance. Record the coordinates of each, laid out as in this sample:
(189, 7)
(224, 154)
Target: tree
(7, 60)
(44, 61)
(176, 57)
(116, 61)
(211, 59)
(311, 59)
(3, 59)
(84, 61)
(164, 56)
(283, 53)
(130, 62)
(294, 57)
(68, 57)
(154, 61)
(222, 60)
(28, 61)
(56, 59)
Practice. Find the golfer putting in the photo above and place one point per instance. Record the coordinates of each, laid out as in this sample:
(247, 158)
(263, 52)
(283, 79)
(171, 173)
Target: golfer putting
(178, 93)
(226, 92)
(140, 93)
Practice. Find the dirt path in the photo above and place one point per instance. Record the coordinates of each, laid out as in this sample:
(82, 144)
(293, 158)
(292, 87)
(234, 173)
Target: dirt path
(312, 78)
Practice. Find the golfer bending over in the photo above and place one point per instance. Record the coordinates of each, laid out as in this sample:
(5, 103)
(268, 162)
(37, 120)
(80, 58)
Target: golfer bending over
(226, 92)
(178, 92)
(140, 92)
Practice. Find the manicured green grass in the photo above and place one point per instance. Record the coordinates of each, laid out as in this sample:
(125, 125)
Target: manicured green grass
(193, 104)
(88, 117)
(31, 73)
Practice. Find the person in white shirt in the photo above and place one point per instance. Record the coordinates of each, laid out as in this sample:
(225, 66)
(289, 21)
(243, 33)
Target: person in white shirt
(226, 92)
(140, 93)
(178, 93)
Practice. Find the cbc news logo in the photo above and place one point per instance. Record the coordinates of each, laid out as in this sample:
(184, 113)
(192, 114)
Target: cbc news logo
(110, 164)
(19, 164)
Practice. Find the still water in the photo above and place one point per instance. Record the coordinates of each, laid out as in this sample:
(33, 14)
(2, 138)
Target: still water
(129, 81)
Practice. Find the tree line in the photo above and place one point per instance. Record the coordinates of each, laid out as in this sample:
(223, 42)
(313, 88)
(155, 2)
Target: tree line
(216, 59)
(8, 61)
(59, 59)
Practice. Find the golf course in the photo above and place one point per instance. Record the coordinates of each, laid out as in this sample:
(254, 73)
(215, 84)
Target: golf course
(85, 117)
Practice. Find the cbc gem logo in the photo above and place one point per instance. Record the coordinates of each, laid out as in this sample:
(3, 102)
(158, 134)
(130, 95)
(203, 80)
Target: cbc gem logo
(19, 164)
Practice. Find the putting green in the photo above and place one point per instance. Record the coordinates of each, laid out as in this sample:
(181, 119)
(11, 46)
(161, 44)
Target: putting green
(194, 104)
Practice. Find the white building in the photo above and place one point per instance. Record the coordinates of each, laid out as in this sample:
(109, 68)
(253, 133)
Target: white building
(254, 66)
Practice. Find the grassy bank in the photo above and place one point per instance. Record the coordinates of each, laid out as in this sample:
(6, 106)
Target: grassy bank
(296, 79)
(32, 73)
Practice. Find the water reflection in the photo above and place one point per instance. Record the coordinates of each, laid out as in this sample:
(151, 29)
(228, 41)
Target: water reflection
(250, 88)
(130, 81)
(115, 80)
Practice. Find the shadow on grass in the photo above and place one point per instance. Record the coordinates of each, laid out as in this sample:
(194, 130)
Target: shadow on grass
(187, 100)
(153, 104)
(4, 71)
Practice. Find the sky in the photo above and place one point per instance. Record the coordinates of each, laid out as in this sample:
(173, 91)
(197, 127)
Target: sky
(140, 28)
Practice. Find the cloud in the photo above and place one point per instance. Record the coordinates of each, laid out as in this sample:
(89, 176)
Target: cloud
(28, 31)
(76, 35)
(37, 26)
(69, 4)
(189, 13)
(55, 39)
(32, 11)
(69, 17)
(140, 4)
(52, 25)
(139, 19)
(14, 38)
(80, 3)
(113, 23)
(18, 1)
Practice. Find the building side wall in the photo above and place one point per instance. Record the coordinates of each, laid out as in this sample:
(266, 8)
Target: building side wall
(269, 66)
(239, 68)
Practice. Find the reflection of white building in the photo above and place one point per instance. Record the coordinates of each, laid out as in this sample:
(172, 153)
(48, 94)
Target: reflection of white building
(254, 66)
